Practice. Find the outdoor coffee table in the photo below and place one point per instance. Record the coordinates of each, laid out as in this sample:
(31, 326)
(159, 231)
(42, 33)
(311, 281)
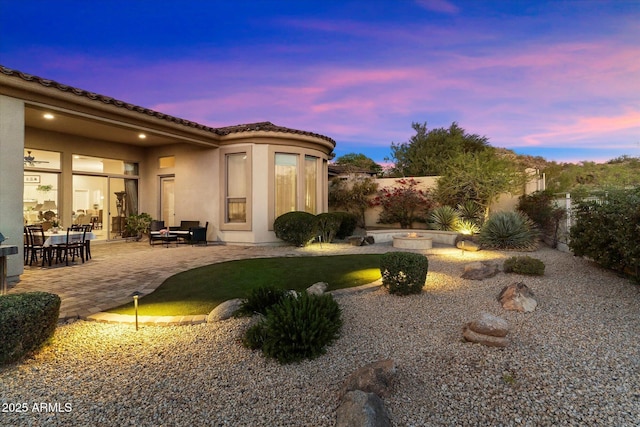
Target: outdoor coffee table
(168, 238)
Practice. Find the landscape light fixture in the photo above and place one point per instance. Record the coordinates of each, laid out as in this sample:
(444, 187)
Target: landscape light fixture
(135, 296)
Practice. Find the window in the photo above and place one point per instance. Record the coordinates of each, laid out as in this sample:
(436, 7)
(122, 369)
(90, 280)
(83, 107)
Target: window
(236, 197)
(167, 162)
(41, 159)
(286, 176)
(103, 166)
(310, 184)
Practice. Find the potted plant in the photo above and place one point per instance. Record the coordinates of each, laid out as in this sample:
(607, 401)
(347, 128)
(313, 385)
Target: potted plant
(137, 225)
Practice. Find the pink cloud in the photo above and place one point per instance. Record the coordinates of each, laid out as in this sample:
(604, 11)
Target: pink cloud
(588, 127)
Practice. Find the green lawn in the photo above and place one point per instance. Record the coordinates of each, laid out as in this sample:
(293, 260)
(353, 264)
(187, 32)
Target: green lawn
(200, 290)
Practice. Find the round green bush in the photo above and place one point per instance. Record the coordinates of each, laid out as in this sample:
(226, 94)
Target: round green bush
(328, 225)
(403, 273)
(524, 265)
(298, 228)
(348, 224)
(299, 327)
(508, 230)
(26, 322)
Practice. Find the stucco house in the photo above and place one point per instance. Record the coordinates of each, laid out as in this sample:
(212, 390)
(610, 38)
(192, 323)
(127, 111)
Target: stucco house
(88, 157)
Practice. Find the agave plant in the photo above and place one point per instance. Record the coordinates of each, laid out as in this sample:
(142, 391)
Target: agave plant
(509, 230)
(444, 218)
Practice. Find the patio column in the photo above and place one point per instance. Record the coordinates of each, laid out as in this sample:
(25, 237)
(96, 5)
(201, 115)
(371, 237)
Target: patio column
(12, 179)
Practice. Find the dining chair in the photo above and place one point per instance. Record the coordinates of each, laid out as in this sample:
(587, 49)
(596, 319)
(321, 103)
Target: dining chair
(154, 228)
(87, 228)
(72, 247)
(25, 245)
(36, 244)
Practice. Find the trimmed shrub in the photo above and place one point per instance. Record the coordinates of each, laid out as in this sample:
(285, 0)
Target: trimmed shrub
(524, 265)
(298, 228)
(403, 273)
(26, 322)
(348, 224)
(260, 299)
(444, 218)
(328, 225)
(540, 207)
(606, 231)
(508, 230)
(299, 327)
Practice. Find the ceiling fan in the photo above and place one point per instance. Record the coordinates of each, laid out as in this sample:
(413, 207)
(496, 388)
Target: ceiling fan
(29, 160)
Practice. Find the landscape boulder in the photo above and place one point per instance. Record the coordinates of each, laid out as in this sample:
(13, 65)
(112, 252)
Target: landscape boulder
(318, 288)
(225, 310)
(480, 270)
(472, 336)
(468, 245)
(488, 324)
(376, 377)
(361, 240)
(517, 297)
(487, 330)
(360, 409)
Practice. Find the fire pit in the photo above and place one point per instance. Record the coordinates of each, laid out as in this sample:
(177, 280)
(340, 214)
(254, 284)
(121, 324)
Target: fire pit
(412, 241)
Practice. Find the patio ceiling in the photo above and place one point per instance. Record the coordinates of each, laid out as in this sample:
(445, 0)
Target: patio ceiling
(99, 129)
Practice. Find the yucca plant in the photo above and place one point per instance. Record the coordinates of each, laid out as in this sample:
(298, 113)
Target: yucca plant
(509, 230)
(470, 211)
(444, 218)
(465, 226)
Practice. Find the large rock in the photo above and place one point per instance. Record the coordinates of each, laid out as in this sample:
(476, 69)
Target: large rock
(361, 240)
(360, 409)
(480, 270)
(468, 245)
(490, 325)
(318, 288)
(517, 297)
(487, 340)
(376, 377)
(225, 310)
(356, 240)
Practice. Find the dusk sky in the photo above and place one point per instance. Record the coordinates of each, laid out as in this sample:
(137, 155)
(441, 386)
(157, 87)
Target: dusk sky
(557, 79)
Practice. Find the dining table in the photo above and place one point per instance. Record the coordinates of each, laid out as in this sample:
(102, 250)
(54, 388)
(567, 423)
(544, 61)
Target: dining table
(53, 238)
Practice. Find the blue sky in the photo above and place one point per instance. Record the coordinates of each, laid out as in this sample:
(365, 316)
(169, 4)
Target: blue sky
(557, 79)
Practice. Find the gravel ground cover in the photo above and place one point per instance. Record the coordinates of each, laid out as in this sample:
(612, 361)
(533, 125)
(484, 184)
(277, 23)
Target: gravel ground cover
(574, 361)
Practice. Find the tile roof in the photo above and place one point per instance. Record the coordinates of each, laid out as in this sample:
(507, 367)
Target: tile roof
(266, 127)
(251, 127)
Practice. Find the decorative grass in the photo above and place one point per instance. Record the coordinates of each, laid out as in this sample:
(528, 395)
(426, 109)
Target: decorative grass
(200, 290)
